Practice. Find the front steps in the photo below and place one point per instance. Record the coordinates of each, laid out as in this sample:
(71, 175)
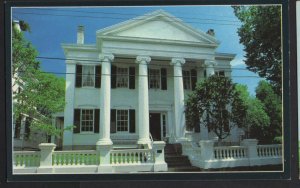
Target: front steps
(176, 161)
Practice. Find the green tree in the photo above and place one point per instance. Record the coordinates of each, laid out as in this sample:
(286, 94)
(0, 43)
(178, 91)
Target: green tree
(40, 94)
(273, 107)
(214, 103)
(260, 33)
(256, 122)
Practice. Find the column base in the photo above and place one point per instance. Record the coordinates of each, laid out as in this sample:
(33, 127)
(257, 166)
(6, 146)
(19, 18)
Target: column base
(102, 142)
(144, 143)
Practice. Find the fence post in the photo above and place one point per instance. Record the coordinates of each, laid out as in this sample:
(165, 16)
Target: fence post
(251, 145)
(160, 163)
(46, 158)
(207, 153)
(104, 158)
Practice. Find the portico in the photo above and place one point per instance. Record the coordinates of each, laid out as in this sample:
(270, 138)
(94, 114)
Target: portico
(135, 71)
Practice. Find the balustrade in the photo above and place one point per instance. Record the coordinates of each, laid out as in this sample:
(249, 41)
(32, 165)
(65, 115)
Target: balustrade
(61, 158)
(27, 158)
(269, 150)
(230, 152)
(131, 156)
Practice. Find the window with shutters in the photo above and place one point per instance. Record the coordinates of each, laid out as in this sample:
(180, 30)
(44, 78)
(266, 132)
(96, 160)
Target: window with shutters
(122, 121)
(87, 120)
(154, 78)
(186, 79)
(88, 76)
(122, 77)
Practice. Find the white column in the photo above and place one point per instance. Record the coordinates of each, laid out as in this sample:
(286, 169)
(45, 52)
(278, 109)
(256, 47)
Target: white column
(210, 67)
(104, 132)
(69, 108)
(179, 115)
(143, 100)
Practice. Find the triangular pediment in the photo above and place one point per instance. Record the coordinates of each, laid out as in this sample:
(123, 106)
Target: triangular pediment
(158, 25)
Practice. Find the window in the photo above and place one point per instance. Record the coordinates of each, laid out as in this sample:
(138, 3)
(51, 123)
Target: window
(122, 77)
(87, 120)
(220, 73)
(88, 76)
(186, 79)
(122, 120)
(154, 78)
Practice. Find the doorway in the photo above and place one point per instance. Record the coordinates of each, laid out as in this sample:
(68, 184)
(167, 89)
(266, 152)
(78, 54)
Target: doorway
(155, 126)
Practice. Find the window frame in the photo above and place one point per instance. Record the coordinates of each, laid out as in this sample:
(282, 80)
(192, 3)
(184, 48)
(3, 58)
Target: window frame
(83, 75)
(128, 121)
(81, 120)
(118, 75)
(159, 78)
(189, 77)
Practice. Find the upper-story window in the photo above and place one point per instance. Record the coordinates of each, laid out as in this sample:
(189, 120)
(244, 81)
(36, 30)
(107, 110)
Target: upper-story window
(186, 79)
(122, 77)
(220, 73)
(154, 78)
(88, 76)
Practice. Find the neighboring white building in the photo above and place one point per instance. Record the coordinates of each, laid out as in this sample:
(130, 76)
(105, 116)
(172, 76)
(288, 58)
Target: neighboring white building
(134, 80)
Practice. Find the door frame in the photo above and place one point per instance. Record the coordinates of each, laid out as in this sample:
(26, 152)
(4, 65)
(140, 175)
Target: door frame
(162, 113)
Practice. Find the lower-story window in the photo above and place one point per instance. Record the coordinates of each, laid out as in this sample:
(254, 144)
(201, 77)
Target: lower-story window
(87, 120)
(122, 121)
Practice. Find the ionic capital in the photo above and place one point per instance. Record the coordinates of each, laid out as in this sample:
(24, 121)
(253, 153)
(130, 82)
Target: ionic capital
(143, 59)
(210, 63)
(177, 61)
(106, 57)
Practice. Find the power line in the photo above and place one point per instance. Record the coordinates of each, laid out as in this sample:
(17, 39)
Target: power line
(121, 18)
(128, 14)
(133, 63)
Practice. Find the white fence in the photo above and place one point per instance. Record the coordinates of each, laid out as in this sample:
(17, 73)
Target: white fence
(103, 160)
(207, 156)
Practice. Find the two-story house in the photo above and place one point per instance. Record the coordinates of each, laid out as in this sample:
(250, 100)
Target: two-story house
(133, 81)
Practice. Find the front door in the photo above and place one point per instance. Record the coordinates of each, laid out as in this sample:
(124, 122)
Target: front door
(155, 128)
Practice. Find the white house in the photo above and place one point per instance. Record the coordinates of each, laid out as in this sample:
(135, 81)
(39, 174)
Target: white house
(134, 80)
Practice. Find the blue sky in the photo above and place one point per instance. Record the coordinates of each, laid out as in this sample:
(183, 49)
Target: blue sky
(52, 26)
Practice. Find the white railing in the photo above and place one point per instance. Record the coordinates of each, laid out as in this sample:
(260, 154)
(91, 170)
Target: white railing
(85, 157)
(269, 150)
(131, 156)
(230, 152)
(27, 158)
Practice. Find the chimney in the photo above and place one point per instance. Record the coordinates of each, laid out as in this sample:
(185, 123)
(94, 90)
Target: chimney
(80, 35)
(211, 32)
(16, 25)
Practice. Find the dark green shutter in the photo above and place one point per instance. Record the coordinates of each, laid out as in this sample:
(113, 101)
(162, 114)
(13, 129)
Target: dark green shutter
(76, 121)
(98, 76)
(78, 81)
(193, 78)
(113, 76)
(163, 72)
(131, 77)
(113, 123)
(96, 121)
(132, 121)
(205, 74)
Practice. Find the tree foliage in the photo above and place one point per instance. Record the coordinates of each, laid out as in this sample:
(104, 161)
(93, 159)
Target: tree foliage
(256, 122)
(260, 34)
(215, 103)
(40, 94)
(273, 107)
